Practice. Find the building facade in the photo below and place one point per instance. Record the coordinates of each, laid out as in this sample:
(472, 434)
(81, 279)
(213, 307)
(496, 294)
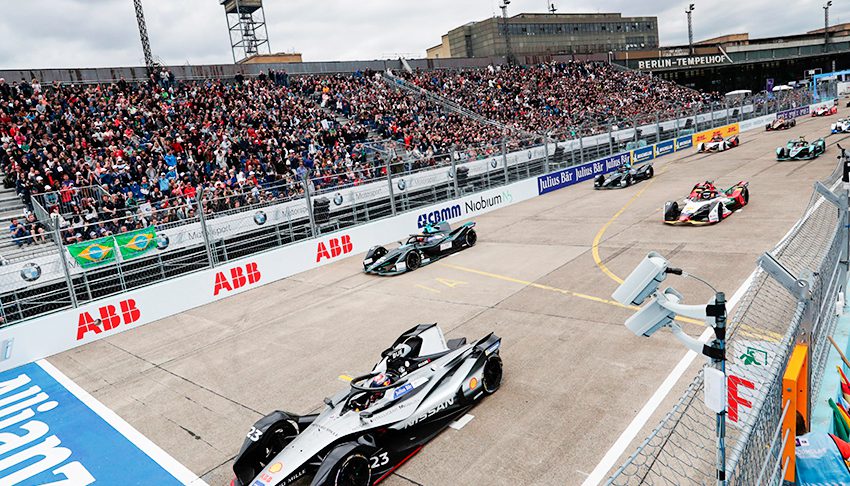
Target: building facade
(535, 34)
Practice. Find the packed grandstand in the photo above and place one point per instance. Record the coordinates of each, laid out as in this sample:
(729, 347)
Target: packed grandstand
(153, 148)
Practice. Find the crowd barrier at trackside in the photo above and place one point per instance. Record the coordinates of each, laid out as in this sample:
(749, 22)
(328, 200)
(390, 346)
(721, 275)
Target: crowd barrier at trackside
(58, 332)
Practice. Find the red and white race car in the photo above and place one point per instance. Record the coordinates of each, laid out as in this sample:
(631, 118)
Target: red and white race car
(825, 110)
(706, 204)
(719, 144)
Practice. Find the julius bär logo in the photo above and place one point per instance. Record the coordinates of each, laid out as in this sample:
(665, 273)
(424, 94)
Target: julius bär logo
(239, 277)
(109, 317)
(334, 248)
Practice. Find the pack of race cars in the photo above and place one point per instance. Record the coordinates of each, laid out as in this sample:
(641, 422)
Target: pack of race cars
(423, 382)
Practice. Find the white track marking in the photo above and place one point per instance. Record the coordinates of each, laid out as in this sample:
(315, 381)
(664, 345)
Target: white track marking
(609, 459)
(179, 471)
(461, 422)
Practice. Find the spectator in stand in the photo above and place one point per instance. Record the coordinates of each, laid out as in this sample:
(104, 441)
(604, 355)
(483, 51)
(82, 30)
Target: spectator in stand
(35, 229)
(20, 234)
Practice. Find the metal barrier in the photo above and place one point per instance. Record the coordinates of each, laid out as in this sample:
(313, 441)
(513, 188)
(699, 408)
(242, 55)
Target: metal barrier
(791, 298)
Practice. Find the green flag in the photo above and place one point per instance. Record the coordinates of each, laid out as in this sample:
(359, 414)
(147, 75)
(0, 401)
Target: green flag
(136, 243)
(94, 252)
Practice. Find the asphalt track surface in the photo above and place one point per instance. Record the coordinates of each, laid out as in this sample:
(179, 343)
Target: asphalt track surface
(574, 376)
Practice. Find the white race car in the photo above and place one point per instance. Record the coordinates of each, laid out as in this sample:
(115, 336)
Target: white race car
(841, 126)
(825, 111)
(719, 144)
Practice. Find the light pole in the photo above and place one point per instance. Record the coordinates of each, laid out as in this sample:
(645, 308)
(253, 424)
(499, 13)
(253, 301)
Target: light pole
(552, 8)
(690, 29)
(660, 312)
(509, 54)
(826, 26)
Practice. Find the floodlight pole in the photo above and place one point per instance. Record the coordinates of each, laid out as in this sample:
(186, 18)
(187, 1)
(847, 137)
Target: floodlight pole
(509, 53)
(690, 29)
(826, 26)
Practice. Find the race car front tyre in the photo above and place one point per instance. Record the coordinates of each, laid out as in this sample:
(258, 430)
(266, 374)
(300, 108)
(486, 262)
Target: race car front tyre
(471, 238)
(413, 260)
(745, 195)
(355, 470)
(671, 211)
(492, 374)
(650, 172)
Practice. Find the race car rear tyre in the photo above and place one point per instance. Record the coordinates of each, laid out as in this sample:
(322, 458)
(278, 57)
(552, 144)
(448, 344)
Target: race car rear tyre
(628, 180)
(471, 238)
(492, 374)
(413, 260)
(793, 122)
(354, 470)
(745, 195)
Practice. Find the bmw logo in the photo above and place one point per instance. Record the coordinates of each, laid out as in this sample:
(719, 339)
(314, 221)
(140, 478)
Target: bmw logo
(31, 272)
(260, 218)
(338, 199)
(401, 184)
(494, 163)
(529, 155)
(451, 173)
(162, 241)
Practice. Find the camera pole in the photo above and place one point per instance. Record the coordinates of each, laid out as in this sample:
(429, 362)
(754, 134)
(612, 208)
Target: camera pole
(718, 311)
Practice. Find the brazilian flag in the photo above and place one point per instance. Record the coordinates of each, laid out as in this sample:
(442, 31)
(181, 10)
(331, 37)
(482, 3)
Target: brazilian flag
(94, 252)
(136, 243)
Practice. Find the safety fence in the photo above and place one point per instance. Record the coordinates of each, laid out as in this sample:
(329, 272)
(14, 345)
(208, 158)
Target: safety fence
(791, 298)
(222, 224)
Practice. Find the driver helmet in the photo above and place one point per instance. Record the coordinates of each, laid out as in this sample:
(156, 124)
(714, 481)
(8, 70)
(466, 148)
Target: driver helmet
(380, 380)
(717, 138)
(707, 194)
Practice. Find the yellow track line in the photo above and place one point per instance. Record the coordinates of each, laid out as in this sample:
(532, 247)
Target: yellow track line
(601, 233)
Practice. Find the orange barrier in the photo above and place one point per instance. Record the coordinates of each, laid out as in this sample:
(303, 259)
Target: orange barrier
(795, 389)
(725, 131)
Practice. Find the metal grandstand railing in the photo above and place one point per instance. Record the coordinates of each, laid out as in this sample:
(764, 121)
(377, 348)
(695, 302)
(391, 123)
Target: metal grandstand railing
(791, 299)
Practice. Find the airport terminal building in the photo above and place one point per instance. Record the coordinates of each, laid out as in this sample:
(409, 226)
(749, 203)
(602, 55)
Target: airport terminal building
(535, 33)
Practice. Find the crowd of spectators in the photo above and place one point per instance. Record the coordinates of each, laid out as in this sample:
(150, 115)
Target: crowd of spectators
(557, 96)
(109, 158)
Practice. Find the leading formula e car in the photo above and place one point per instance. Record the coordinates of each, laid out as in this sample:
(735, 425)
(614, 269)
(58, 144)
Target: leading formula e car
(841, 126)
(825, 110)
(421, 384)
(707, 205)
(800, 149)
(781, 124)
(624, 176)
(435, 242)
(719, 144)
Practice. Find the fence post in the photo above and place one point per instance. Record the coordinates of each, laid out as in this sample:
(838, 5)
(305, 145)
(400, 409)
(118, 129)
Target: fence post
(390, 186)
(546, 153)
(580, 148)
(610, 140)
(726, 106)
(70, 281)
(657, 127)
(202, 218)
(505, 158)
(309, 202)
(454, 175)
(720, 363)
(635, 128)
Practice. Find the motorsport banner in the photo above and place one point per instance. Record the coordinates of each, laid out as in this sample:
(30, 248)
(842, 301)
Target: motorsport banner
(725, 131)
(94, 252)
(136, 243)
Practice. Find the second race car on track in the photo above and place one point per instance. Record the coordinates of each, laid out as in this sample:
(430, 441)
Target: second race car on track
(435, 242)
(707, 205)
(841, 126)
(825, 110)
(781, 124)
(624, 176)
(719, 144)
(800, 149)
(421, 384)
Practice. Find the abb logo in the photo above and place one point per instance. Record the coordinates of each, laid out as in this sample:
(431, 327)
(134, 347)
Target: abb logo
(239, 277)
(334, 248)
(110, 317)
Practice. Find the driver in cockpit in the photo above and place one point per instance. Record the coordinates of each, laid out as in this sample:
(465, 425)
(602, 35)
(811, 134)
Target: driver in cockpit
(366, 400)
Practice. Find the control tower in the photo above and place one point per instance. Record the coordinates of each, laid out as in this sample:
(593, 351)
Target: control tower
(246, 25)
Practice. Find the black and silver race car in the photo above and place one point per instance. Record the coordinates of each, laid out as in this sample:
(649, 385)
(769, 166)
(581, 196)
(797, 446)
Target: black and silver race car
(624, 176)
(421, 384)
(435, 242)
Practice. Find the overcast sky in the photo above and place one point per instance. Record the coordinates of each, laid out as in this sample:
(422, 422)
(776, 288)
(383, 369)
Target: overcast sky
(98, 33)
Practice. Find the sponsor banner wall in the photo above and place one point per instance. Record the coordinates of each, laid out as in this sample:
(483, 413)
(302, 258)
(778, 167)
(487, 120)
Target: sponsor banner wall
(664, 148)
(756, 123)
(55, 333)
(643, 154)
(793, 113)
(683, 143)
(573, 175)
(724, 131)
